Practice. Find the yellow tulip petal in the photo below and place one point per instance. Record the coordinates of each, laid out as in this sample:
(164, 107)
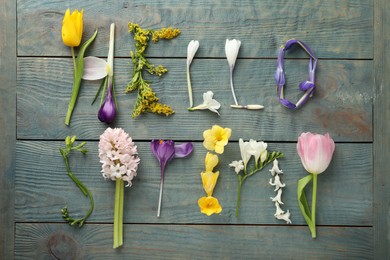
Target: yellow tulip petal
(72, 28)
(209, 205)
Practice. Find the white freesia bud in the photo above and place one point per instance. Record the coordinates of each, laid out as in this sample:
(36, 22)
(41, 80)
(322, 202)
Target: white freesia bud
(191, 50)
(244, 150)
(208, 103)
(231, 49)
(285, 217)
(257, 149)
(277, 183)
(278, 197)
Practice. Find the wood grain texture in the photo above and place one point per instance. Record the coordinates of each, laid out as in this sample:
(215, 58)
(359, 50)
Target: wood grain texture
(47, 241)
(382, 131)
(7, 125)
(43, 187)
(342, 103)
(335, 29)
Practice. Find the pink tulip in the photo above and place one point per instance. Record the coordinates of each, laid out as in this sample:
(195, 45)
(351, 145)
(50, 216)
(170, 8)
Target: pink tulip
(315, 151)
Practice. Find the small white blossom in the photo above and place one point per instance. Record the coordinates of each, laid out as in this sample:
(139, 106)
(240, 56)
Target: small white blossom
(244, 150)
(278, 197)
(277, 183)
(231, 50)
(275, 168)
(285, 217)
(258, 149)
(208, 103)
(237, 165)
(279, 211)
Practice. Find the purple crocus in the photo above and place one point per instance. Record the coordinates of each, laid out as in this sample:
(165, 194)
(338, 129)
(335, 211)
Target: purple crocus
(165, 151)
(107, 111)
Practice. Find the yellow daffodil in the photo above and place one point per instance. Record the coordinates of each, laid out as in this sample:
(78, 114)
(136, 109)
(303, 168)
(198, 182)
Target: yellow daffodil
(209, 180)
(216, 138)
(210, 161)
(209, 205)
(72, 28)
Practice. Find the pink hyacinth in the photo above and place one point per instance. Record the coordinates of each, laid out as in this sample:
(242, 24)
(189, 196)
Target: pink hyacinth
(118, 155)
(315, 151)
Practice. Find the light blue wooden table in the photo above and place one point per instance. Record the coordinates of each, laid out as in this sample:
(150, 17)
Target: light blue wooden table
(351, 102)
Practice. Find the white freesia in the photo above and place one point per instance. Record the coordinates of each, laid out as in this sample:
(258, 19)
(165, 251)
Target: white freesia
(237, 165)
(191, 50)
(208, 103)
(245, 152)
(258, 149)
(231, 50)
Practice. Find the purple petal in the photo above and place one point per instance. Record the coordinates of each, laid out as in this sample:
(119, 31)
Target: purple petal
(290, 43)
(183, 150)
(306, 85)
(287, 103)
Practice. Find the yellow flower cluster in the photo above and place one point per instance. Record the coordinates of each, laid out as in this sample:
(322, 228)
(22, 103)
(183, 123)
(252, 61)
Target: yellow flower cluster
(147, 100)
(215, 139)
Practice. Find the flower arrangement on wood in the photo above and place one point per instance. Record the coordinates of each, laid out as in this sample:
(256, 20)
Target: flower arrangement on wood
(119, 158)
(147, 100)
(166, 151)
(316, 152)
(69, 146)
(97, 68)
(72, 32)
(261, 158)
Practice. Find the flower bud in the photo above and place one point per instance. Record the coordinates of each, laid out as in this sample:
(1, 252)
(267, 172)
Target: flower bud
(107, 111)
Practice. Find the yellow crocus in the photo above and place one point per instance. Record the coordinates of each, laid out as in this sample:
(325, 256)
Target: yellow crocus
(216, 138)
(209, 205)
(209, 180)
(210, 161)
(72, 28)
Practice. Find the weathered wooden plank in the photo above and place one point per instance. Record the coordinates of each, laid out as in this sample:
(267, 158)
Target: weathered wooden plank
(382, 131)
(335, 29)
(46, 241)
(7, 125)
(342, 104)
(43, 187)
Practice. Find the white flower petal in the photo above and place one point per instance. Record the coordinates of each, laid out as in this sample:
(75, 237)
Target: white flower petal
(191, 50)
(94, 68)
(231, 50)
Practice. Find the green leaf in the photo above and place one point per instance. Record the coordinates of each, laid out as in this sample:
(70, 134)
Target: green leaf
(302, 201)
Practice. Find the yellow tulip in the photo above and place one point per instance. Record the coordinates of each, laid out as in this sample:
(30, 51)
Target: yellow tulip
(210, 161)
(209, 205)
(72, 28)
(209, 180)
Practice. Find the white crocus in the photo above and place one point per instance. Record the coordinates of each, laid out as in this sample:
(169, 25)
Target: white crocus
(237, 165)
(245, 152)
(231, 50)
(275, 168)
(208, 103)
(191, 50)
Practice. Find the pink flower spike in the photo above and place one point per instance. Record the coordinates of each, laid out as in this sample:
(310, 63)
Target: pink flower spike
(315, 151)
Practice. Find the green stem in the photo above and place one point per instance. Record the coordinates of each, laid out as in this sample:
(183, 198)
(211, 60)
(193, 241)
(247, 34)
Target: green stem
(240, 182)
(313, 206)
(189, 87)
(74, 63)
(118, 213)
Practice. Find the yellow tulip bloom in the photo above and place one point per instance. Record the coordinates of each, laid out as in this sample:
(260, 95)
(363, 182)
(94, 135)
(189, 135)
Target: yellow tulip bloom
(72, 28)
(210, 161)
(209, 180)
(216, 138)
(209, 205)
